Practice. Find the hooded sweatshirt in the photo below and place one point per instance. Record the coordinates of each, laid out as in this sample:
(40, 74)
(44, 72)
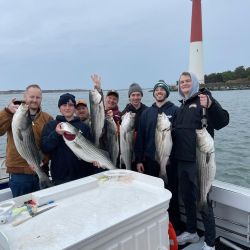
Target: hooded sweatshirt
(65, 165)
(188, 119)
(145, 143)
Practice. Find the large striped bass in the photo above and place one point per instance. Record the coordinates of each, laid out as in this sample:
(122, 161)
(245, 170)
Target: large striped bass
(24, 140)
(163, 142)
(109, 139)
(97, 114)
(127, 130)
(205, 158)
(83, 148)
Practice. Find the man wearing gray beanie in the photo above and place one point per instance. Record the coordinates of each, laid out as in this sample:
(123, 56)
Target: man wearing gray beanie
(135, 106)
(134, 87)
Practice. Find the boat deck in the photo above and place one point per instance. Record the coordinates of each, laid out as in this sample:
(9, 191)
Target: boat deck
(218, 245)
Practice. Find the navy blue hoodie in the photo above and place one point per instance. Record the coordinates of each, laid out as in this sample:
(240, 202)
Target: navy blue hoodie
(145, 143)
(65, 166)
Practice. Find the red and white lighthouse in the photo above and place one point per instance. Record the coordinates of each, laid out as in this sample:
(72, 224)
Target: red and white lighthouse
(196, 51)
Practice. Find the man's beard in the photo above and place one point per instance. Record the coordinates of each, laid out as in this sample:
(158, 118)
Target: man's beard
(33, 110)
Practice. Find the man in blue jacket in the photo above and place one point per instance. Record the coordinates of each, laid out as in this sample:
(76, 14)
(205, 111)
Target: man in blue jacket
(65, 166)
(145, 143)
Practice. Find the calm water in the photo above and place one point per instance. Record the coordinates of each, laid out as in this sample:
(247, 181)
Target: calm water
(232, 142)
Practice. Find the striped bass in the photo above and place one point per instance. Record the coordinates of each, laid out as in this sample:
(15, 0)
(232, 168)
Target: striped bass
(127, 134)
(24, 140)
(163, 142)
(83, 148)
(205, 158)
(97, 114)
(109, 139)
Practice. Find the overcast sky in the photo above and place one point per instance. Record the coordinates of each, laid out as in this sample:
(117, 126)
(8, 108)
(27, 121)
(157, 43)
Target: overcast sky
(59, 43)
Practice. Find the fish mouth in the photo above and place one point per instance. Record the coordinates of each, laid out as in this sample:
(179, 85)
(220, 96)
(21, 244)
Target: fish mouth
(68, 136)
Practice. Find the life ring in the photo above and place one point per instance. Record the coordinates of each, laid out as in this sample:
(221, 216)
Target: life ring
(173, 244)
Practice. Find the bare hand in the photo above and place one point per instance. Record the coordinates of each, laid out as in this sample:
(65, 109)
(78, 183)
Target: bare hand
(205, 101)
(109, 114)
(59, 129)
(140, 167)
(97, 81)
(32, 167)
(96, 164)
(12, 107)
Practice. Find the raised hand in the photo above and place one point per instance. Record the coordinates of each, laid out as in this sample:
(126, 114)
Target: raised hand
(97, 81)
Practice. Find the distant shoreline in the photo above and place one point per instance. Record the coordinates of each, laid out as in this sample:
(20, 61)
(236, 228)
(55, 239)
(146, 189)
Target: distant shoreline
(172, 87)
(56, 91)
(19, 91)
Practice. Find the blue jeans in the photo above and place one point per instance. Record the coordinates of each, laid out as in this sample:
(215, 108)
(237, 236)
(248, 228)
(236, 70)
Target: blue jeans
(21, 184)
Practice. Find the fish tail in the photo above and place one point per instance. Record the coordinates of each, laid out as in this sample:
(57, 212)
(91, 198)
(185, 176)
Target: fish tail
(45, 183)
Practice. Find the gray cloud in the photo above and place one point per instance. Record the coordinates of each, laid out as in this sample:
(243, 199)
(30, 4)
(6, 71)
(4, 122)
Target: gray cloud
(60, 43)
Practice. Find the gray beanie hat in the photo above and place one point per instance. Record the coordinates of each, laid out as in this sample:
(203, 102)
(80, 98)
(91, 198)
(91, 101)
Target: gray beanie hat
(134, 87)
(161, 83)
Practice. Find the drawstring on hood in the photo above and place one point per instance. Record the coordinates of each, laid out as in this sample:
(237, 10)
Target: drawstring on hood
(194, 89)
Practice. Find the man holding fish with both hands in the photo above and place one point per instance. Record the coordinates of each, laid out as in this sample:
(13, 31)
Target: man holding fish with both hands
(154, 143)
(65, 164)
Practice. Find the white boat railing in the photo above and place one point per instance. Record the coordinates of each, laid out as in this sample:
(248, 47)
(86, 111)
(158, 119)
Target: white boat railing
(4, 177)
(231, 205)
(232, 211)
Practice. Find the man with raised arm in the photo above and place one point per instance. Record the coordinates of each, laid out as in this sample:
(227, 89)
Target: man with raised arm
(111, 100)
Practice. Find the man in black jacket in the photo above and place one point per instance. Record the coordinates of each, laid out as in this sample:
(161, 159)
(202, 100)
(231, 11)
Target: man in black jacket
(188, 119)
(65, 166)
(135, 106)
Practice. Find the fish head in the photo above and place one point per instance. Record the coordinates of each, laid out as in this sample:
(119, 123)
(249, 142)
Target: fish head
(128, 121)
(132, 115)
(23, 116)
(70, 132)
(205, 141)
(163, 122)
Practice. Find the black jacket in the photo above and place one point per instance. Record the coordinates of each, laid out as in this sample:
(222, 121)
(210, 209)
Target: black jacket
(188, 119)
(138, 112)
(65, 166)
(145, 143)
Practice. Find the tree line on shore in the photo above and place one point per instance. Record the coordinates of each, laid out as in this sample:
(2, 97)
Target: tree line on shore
(239, 73)
(237, 79)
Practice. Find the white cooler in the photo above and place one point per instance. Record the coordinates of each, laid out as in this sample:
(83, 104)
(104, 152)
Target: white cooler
(114, 210)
